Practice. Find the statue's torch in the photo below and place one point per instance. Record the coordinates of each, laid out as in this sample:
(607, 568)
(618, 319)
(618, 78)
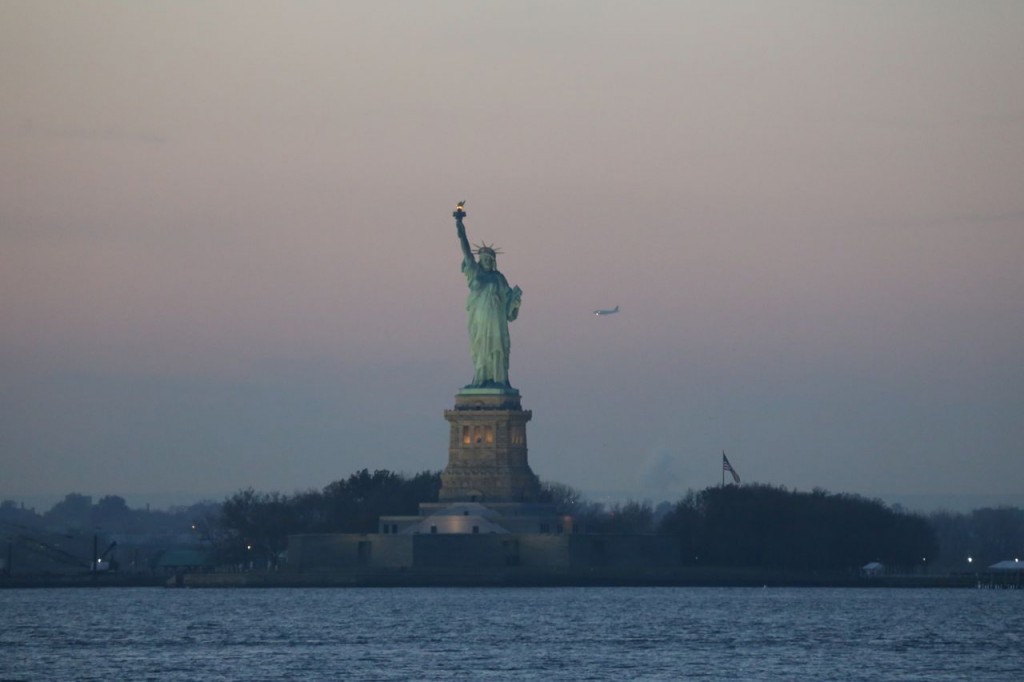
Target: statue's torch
(459, 213)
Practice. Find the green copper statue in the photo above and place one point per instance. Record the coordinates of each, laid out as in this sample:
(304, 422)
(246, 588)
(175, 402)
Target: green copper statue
(491, 305)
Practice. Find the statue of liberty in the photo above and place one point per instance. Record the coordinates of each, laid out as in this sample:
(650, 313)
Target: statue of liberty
(490, 306)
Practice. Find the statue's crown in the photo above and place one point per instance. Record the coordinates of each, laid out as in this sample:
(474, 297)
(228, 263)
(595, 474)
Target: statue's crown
(487, 248)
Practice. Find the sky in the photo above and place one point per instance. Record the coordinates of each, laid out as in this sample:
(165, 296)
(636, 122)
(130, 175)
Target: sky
(227, 257)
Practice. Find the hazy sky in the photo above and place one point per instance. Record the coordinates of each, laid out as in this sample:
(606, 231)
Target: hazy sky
(227, 257)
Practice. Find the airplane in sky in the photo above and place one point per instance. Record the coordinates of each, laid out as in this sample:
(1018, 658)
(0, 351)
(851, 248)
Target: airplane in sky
(609, 311)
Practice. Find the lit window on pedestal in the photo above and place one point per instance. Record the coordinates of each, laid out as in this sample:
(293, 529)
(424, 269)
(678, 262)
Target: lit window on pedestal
(489, 435)
(518, 435)
(465, 436)
(478, 436)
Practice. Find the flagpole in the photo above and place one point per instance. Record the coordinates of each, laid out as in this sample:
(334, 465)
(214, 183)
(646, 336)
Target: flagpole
(723, 468)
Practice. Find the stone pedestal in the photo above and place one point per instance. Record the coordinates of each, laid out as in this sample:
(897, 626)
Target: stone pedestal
(487, 449)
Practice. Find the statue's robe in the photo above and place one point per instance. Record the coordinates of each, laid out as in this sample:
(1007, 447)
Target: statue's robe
(490, 306)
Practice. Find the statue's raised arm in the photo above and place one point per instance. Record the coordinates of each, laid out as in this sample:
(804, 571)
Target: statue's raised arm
(491, 305)
(460, 229)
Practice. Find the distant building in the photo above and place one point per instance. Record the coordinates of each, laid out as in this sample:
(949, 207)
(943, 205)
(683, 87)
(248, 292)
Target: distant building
(872, 569)
(1008, 565)
(1008, 573)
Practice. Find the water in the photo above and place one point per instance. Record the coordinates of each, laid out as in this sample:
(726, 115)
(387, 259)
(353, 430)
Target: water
(512, 634)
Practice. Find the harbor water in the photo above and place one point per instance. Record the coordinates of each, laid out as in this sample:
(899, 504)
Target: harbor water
(582, 633)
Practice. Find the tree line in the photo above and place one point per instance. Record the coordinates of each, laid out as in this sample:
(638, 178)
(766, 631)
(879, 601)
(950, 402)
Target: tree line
(77, 513)
(773, 528)
(755, 525)
(979, 538)
(252, 522)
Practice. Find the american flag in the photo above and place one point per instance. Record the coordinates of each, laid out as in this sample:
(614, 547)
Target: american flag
(728, 467)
